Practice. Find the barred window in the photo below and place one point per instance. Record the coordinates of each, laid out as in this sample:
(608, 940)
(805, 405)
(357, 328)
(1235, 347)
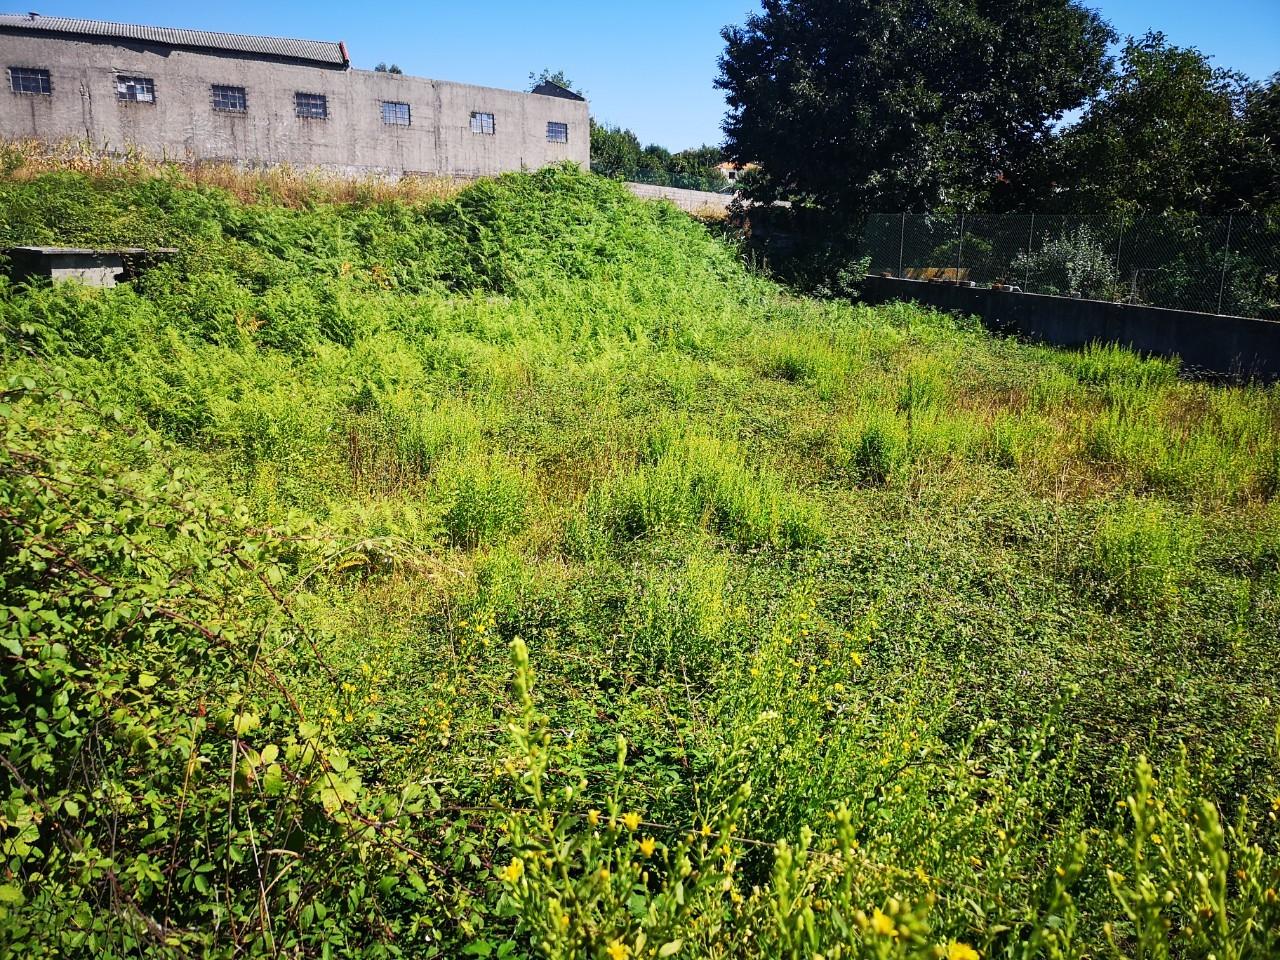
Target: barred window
(311, 106)
(395, 114)
(229, 99)
(557, 132)
(135, 90)
(29, 80)
(482, 123)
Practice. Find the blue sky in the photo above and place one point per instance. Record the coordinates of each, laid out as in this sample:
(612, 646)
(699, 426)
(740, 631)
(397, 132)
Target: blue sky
(645, 66)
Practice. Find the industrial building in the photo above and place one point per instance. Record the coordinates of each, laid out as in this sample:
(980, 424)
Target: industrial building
(193, 95)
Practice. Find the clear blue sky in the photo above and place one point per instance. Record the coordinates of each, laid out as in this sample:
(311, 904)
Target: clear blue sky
(648, 66)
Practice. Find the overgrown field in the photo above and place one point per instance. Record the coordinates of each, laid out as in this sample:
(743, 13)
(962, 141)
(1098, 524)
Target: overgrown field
(515, 574)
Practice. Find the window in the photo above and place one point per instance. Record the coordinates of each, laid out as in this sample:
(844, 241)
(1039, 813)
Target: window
(135, 90)
(557, 132)
(311, 106)
(29, 80)
(229, 99)
(395, 114)
(482, 123)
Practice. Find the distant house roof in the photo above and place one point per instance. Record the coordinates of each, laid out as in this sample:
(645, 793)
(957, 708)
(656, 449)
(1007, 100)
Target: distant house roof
(548, 89)
(311, 51)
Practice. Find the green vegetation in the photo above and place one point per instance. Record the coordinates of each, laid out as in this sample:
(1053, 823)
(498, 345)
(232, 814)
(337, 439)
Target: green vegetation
(617, 153)
(513, 573)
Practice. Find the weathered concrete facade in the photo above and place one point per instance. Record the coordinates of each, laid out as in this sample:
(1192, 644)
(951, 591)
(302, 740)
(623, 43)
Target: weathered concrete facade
(180, 121)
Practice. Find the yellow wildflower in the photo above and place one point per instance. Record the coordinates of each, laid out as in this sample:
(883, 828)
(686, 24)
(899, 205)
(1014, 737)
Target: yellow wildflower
(513, 871)
(882, 924)
(593, 817)
(631, 821)
(961, 951)
(647, 846)
(617, 950)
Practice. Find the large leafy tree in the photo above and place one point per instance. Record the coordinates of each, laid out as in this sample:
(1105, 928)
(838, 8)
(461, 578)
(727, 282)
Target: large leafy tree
(1253, 173)
(859, 105)
(617, 153)
(1169, 134)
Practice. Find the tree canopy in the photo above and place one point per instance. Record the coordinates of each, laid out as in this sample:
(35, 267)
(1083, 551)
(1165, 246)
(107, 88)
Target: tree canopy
(1172, 132)
(856, 105)
(617, 153)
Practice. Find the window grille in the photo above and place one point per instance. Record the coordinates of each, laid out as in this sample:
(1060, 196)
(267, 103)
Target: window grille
(557, 132)
(29, 80)
(482, 123)
(229, 99)
(135, 90)
(311, 106)
(395, 114)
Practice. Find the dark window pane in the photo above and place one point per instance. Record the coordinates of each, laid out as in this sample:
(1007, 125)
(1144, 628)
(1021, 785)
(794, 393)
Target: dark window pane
(311, 106)
(230, 99)
(135, 89)
(557, 132)
(29, 80)
(395, 114)
(482, 123)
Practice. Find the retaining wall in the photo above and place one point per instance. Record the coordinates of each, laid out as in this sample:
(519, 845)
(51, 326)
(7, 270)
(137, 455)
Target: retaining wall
(693, 201)
(1206, 343)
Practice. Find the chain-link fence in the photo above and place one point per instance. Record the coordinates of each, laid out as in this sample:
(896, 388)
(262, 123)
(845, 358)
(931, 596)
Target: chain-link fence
(1227, 265)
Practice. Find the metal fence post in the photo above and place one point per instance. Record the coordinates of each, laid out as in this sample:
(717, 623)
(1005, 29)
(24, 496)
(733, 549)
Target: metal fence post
(902, 239)
(1119, 243)
(960, 247)
(1226, 258)
(1031, 237)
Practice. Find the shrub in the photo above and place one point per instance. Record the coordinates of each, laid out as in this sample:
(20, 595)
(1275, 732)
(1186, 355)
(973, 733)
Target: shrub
(1073, 264)
(1142, 555)
(875, 450)
(696, 479)
(486, 497)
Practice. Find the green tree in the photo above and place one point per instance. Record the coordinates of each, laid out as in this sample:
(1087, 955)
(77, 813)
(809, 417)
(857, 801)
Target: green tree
(1169, 134)
(858, 105)
(615, 152)
(1253, 177)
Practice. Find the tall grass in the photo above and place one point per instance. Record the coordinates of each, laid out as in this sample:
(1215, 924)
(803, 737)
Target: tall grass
(511, 572)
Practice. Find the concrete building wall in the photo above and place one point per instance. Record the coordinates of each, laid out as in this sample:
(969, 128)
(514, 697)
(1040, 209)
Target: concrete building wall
(182, 124)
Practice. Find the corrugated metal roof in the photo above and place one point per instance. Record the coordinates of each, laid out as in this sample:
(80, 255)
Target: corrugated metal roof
(314, 51)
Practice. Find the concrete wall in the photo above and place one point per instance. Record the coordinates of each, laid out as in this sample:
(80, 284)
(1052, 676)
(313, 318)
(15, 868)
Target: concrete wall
(1206, 343)
(691, 200)
(182, 124)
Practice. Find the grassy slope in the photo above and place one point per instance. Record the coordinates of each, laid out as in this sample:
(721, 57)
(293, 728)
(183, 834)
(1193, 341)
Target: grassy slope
(929, 593)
